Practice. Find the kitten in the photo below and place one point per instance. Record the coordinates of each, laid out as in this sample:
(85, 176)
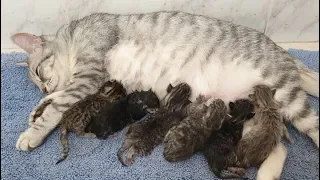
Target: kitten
(79, 115)
(219, 149)
(143, 136)
(257, 144)
(117, 115)
(184, 139)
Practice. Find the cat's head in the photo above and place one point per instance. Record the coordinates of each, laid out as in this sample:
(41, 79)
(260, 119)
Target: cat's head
(113, 90)
(40, 61)
(146, 101)
(177, 97)
(263, 97)
(241, 110)
(216, 114)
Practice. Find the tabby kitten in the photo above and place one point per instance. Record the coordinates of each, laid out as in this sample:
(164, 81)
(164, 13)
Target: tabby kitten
(117, 115)
(220, 146)
(80, 114)
(143, 136)
(216, 58)
(184, 139)
(257, 144)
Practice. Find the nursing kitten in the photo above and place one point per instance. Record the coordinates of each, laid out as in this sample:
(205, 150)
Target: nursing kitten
(143, 136)
(220, 146)
(190, 135)
(257, 144)
(117, 115)
(153, 50)
(80, 114)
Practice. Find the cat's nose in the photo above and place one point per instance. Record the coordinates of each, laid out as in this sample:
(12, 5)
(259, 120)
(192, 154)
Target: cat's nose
(44, 90)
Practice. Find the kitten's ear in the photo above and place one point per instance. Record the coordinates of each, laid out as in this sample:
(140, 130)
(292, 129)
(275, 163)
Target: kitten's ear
(251, 115)
(28, 42)
(231, 105)
(273, 91)
(169, 88)
(23, 64)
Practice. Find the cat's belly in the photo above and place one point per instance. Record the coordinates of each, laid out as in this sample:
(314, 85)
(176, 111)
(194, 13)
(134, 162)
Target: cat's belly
(141, 67)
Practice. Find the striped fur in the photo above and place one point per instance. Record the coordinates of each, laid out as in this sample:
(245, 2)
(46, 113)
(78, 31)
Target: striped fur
(143, 136)
(77, 118)
(216, 58)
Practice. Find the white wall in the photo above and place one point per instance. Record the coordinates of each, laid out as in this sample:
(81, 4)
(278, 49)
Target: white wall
(281, 20)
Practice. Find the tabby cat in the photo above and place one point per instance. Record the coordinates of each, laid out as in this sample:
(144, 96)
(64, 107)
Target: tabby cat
(216, 58)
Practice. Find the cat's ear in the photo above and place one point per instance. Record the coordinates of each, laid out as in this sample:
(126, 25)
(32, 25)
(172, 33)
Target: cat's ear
(251, 96)
(273, 91)
(231, 105)
(169, 88)
(28, 42)
(22, 63)
(251, 115)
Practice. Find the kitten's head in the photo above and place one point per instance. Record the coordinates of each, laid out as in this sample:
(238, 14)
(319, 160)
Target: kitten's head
(40, 61)
(241, 110)
(263, 97)
(177, 97)
(146, 101)
(216, 114)
(113, 90)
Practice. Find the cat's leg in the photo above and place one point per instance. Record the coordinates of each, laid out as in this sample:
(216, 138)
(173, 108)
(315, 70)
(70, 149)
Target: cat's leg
(272, 167)
(296, 109)
(85, 83)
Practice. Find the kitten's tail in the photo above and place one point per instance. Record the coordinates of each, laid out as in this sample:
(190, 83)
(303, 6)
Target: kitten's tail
(64, 143)
(309, 78)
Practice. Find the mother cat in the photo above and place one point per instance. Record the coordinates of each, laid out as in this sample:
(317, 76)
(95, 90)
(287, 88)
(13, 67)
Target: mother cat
(143, 51)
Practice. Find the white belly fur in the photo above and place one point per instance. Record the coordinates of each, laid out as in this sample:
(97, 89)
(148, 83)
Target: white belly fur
(228, 81)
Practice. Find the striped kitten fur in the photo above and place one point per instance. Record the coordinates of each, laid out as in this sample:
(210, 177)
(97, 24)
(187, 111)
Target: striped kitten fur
(77, 118)
(143, 136)
(256, 145)
(216, 58)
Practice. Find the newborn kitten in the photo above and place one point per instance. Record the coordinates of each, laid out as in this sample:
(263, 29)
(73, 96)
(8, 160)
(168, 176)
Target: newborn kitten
(79, 115)
(117, 115)
(256, 145)
(219, 149)
(184, 139)
(143, 136)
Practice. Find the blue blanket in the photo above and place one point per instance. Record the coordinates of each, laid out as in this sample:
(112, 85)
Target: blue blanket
(96, 159)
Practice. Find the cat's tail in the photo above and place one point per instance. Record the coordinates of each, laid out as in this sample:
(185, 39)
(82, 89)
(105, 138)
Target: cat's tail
(309, 78)
(64, 143)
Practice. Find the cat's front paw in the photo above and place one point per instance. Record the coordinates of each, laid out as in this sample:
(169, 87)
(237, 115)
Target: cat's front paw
(29, 140)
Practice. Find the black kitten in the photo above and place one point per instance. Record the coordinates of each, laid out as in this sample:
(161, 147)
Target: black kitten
(119, 114)
(219, 149)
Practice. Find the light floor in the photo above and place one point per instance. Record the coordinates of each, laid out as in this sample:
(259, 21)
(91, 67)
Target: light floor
(311, 46)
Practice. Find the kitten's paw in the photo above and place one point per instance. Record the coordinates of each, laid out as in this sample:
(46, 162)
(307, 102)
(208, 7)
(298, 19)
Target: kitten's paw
(238, 171)
(129, 161)
(38, 111)
(29, 140)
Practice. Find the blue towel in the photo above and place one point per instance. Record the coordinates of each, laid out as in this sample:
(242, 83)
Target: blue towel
(96, 159)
